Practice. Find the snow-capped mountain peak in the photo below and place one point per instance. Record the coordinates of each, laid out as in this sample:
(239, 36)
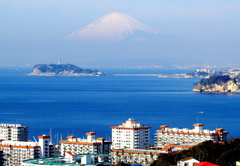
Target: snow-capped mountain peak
(113, 26)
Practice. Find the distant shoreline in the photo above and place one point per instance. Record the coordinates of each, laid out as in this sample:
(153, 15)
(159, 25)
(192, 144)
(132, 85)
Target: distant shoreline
(154, 75)
(57, 75)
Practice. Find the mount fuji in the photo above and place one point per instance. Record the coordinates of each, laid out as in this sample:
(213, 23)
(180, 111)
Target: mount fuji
(113, 27)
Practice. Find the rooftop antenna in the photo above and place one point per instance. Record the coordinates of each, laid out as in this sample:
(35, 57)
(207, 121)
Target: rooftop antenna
(57, 138)
(50, 135)
(61, 137)
(34, 139)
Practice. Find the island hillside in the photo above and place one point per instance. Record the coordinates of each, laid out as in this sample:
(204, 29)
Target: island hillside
(63, 70)
(217, 84)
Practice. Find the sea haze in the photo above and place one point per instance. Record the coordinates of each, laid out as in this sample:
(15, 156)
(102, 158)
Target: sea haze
(76, 105)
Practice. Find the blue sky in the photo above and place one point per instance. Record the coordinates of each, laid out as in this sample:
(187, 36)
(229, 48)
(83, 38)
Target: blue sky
(33, 31)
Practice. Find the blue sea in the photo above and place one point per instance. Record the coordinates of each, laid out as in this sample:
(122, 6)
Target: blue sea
(76, 105)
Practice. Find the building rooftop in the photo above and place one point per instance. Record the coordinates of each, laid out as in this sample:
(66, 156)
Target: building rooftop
(11, 125)
(140, 151)
(66, 161)
(198, 129)
(130, 123)
(74, 140)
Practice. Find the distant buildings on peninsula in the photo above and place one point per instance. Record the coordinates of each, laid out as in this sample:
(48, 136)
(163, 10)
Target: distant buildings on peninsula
(63, 70)
(130, 144)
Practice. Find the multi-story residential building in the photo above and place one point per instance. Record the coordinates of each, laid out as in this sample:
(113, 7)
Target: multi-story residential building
(134, 156)
(130, 135)
(89, 145)
(1, 158)
(13, 132)
(17, 151)
(168, 136)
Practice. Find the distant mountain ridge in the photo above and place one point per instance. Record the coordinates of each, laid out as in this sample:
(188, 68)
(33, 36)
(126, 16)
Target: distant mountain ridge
(113, 26)
(63, 70)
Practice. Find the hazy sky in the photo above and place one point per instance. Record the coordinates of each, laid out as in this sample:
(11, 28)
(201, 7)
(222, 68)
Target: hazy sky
(33, 31)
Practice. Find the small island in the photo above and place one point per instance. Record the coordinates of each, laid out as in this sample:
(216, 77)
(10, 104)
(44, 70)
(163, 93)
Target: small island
(217, 84)
(63, 70)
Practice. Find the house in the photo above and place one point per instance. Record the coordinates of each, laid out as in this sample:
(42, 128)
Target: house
(187, 162)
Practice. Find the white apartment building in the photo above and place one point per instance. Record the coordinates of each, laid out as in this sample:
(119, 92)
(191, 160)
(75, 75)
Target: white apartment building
(89, 145)
(134, 156)
(13, 132)
(17, 151)
(171, 136)
(130, 135)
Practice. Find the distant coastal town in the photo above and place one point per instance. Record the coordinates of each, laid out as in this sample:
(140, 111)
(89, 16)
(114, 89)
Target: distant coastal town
(129, 144)
(204, 73)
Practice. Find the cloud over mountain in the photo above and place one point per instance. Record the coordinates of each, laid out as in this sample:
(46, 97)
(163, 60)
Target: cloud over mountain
(113, 26)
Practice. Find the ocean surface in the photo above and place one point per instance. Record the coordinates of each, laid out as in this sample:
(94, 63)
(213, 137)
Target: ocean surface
(76, 105)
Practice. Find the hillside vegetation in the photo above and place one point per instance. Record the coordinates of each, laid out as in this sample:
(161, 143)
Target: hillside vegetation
(223, 154)
(63, 70)
(216, 80)
(217, 84)
(57, 68)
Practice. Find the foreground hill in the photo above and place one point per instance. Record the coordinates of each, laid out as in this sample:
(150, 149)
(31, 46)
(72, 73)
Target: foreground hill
(63, 70)
(224, 154)
(217, 84)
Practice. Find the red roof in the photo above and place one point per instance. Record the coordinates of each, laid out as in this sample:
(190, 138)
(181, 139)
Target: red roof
(101, 139)
(220, 129)
(198, 124)
(164, 126)
(71, 137)
(70, 153)
(91, 133)
(205, 164)
(44, 136)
